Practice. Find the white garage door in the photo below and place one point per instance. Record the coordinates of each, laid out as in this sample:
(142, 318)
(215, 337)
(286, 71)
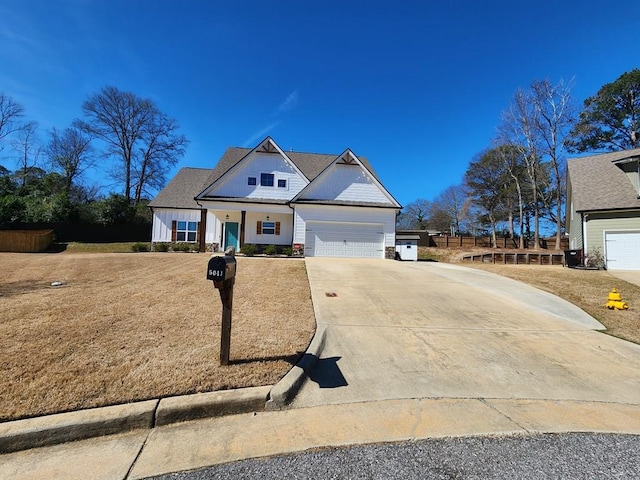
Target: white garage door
(623, 250)
(339, 239)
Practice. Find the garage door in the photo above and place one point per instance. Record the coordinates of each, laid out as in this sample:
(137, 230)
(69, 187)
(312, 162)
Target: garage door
(623, 250)
(338, 239)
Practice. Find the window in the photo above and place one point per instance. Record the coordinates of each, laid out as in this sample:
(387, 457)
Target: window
(186, 231)
(266, 179)
(282, 184)
(268, 228)
(251, 181)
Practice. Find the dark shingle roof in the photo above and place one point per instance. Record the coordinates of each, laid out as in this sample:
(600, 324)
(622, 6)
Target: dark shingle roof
(189, 182)
(181, 190)
(598, 184)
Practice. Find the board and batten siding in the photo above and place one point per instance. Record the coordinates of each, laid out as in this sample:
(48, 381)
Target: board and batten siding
(236, 185)
(348, 183)
(330, 213)
(286, 229)
(163, 217)
(599, 223)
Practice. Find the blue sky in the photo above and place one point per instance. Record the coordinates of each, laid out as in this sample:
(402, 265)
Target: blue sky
(416, 87)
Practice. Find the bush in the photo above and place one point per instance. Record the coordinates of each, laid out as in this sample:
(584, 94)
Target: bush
(140, 247)
(288, 251)
(249, 249)
(594, 259)
(270, 250)
(161, 247)
(182, 247)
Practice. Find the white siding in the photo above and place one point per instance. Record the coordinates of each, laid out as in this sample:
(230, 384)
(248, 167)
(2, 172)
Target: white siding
(286, 229)
(330, 213)
(162, 218)
(346, 183)
(236, 185)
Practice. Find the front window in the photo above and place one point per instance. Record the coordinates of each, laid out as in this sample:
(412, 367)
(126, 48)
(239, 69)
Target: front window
(269, 228)
(266, 179)
(186, 231)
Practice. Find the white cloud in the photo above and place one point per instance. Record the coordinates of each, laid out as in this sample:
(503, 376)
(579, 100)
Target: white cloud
(288, 104)
(250, 142)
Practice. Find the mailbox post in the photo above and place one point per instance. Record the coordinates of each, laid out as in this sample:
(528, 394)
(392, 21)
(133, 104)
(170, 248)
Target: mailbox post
(222, 271)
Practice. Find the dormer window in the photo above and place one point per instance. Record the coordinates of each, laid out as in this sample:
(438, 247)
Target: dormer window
(282, 183)
(251, 181)
(266, 179)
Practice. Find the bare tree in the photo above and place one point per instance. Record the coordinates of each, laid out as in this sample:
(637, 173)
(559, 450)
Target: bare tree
(71, 153)
(11, 113)
(28, 147)
(555, 117)
(136, 133)
(416, 214)
(519, 130)
(454, 202)
(514, 168)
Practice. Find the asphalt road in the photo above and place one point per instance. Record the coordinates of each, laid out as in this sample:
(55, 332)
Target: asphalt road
(552, 456)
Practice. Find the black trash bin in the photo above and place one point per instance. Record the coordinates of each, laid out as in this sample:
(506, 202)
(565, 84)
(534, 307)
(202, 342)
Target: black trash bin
(573, 258)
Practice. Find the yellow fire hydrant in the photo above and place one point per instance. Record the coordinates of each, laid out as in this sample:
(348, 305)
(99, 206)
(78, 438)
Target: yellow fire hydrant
(615, 301)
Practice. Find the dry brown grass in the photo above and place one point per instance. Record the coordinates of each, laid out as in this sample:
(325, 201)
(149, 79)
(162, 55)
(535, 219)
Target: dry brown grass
(128, 327)
(587, 289)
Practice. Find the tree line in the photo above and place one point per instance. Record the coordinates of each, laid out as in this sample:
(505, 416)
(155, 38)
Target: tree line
(124, 135)
(518, 181)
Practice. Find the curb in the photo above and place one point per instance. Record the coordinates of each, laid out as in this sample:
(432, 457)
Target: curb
(284, 391)
(59, 428)
(96, 422)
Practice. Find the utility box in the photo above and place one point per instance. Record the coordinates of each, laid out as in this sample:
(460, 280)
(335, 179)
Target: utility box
(407, 247)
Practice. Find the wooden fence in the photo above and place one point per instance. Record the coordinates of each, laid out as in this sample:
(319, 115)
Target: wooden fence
(445, 241)
(26, 241)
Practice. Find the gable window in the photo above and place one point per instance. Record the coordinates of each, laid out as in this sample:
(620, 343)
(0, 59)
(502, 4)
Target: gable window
(251, 181)
(266, 179)
(184, 231)
(282, 183)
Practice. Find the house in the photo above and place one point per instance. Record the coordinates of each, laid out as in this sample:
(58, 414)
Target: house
(603, 207)
(317, 204)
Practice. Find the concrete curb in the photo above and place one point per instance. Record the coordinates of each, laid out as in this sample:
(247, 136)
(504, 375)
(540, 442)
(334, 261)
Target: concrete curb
(73, 426)
(211, 404)
(282, 393)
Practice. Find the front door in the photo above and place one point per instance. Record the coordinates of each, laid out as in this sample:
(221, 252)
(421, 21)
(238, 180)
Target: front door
(231, 235)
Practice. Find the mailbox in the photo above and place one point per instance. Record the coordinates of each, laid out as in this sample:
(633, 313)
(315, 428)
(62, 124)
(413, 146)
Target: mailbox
(221, 268)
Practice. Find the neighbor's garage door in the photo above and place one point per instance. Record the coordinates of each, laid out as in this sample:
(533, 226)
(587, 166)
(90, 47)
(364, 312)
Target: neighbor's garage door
(338, 239)
(623, 250)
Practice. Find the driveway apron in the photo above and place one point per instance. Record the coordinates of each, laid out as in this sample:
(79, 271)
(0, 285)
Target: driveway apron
(429, 330)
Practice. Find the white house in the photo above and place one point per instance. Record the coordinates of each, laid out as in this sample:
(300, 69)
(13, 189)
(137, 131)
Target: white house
(320, 205)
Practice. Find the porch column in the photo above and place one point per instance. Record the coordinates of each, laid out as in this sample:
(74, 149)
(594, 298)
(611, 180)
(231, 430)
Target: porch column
(203, 231)
(242, 221)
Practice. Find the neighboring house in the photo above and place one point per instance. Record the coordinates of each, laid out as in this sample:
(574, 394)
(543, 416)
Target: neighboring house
(603, 207)
(320, 205)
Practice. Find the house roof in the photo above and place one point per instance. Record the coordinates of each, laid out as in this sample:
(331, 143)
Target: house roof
(596, 182)
(181, 190)
(189, 182)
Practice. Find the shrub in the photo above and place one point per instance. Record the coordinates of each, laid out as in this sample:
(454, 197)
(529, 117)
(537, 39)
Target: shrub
(140, 247)
(270, 250)
(594, 259)
(161, 247)
(288, 251)
(248, 249)
(182, 247)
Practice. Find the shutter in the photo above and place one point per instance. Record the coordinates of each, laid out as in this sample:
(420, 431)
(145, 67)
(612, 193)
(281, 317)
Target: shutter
(174, 228)
(259, 228)
(277, 228)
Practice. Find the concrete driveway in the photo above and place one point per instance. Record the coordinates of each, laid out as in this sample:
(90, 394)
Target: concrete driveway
(398, 330)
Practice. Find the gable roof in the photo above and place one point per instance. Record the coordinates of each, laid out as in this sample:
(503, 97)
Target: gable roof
(596, 183)
(189, 182)
(345, 158)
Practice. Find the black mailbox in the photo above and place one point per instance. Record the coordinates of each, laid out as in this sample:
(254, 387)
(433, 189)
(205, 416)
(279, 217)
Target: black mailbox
(221, 268)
